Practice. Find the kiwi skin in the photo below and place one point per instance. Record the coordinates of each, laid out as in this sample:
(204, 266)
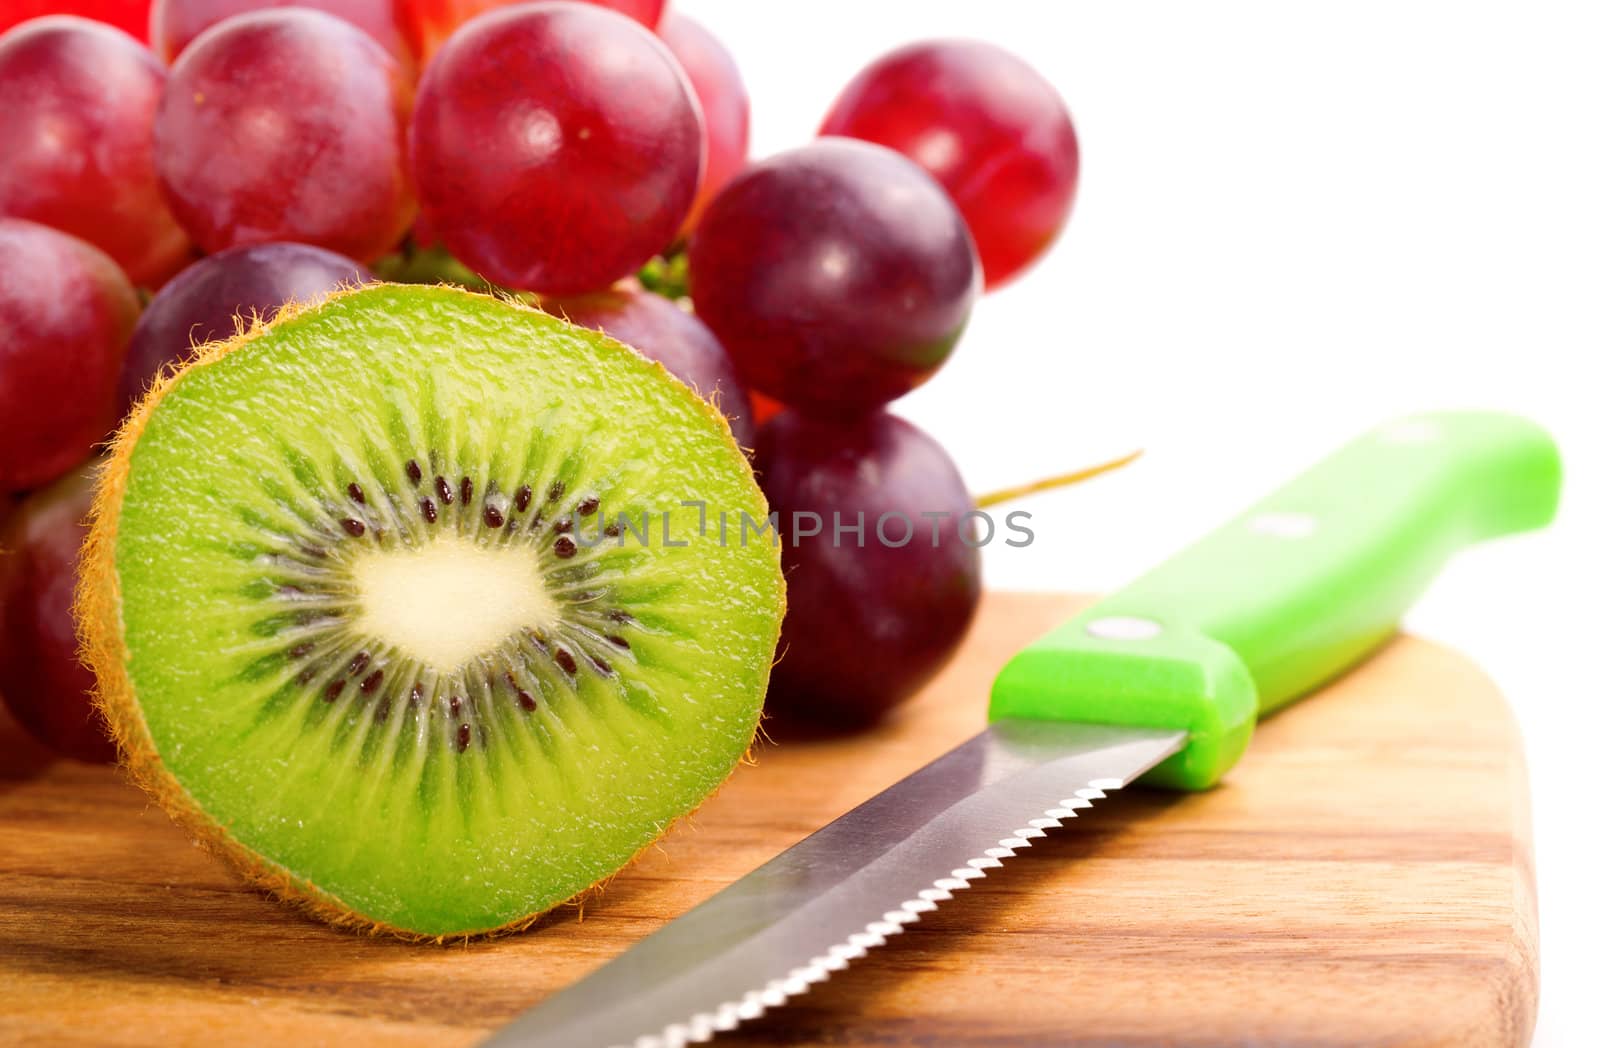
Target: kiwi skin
(98, 610)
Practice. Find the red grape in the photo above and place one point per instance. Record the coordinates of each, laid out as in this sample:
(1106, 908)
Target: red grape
(287, 124)
(200, 304)
(838, 276)
(80, 98)
(130, 16)
(723, 99)
(991, 129)
(557, 146)
(41, 679)
(65, 314)
(174, 23)
(431, 22)
(867, 623)
(661, 330)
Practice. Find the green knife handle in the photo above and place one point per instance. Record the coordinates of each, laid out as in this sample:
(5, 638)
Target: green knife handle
(1295, 590)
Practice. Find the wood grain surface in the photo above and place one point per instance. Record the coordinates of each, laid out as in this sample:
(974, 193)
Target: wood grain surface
(1363, 878)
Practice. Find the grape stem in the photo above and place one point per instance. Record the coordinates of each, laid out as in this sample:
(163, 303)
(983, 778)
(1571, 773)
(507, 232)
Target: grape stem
(667, 275)
(995, 498)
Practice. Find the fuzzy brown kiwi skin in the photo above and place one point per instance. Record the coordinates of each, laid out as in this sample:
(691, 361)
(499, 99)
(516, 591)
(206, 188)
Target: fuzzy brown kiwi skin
(97, 607)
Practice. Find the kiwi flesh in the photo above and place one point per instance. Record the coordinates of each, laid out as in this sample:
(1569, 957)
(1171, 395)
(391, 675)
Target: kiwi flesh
(380, 605)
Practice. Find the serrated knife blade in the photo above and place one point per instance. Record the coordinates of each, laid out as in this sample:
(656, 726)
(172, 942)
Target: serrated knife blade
(841, 891)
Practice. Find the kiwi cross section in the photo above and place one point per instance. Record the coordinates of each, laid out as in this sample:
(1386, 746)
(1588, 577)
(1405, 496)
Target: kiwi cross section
(397, 624)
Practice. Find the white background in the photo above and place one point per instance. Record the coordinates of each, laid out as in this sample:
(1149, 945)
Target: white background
(1294, 221)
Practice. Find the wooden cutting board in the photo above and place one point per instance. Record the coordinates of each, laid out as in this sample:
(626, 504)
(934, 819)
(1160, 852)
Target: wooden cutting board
(1363, 877)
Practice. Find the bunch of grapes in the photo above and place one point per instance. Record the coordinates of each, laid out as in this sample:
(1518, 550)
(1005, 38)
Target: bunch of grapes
(591, 156)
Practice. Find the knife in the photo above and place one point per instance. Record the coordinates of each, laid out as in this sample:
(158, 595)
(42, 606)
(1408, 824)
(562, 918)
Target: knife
(1162, 682)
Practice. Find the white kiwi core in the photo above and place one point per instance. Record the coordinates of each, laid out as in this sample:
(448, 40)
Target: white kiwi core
(450, 600)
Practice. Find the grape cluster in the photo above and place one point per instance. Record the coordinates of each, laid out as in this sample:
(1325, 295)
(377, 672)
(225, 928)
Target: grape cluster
(173, 170)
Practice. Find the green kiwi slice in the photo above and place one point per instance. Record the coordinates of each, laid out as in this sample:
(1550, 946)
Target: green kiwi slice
(418, 604)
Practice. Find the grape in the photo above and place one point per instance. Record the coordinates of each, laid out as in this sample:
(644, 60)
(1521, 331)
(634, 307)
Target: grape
(66, 311)
(174, 23)
(287, 124)
(838, 276)
(130, 16)
(662, 331)
(80, 98)
(43, 683)
(557, 146)
(722, 97)
(867, 624)
(431, 22)
(987, 126)
(201, 303)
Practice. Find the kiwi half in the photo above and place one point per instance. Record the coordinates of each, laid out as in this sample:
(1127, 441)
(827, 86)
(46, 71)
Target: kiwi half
(381, 604)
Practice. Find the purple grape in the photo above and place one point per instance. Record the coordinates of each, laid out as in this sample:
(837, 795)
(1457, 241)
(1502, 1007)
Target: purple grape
(662, 331)
(200, 304)
(287, 124)
(41, 679)
(839, 276)
(556, 146)
(66, 310)
(867, 624)
(77, 103)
